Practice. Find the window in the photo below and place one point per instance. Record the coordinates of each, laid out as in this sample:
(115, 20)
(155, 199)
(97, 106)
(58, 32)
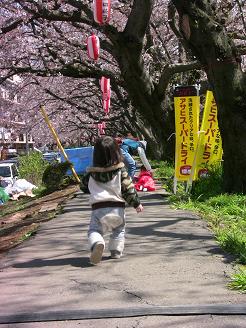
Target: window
(15, 171)
(21, 137)
(5, 171)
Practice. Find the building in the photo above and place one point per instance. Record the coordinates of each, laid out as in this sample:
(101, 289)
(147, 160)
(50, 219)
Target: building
(13, 130)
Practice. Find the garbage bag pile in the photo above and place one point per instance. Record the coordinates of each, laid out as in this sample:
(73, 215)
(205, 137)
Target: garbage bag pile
(19, 188)
(4, 197)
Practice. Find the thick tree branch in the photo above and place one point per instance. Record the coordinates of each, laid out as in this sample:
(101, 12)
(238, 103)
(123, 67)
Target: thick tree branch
(240, 3)
(137, 24)
(168, 71)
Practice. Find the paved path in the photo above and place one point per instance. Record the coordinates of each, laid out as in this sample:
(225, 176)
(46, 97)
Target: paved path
(170, 259)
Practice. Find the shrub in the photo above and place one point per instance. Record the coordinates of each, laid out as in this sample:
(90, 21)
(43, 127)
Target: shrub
(31, 167)
(54, 177)
(163, 169)
(164, 172)
(208, 186)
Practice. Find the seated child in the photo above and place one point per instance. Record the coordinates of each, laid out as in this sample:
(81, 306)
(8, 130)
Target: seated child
(145, 181)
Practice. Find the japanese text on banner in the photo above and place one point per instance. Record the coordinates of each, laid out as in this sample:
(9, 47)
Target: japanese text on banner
(210, 144)
(186, 122)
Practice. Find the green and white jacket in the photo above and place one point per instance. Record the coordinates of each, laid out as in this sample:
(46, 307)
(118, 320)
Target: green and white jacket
(111, 184)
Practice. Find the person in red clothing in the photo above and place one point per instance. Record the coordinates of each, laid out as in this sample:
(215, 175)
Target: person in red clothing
(145, 181)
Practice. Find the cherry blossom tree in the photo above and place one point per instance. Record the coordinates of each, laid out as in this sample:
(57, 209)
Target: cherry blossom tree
(215, 32)
(49, 40)
(146, 45)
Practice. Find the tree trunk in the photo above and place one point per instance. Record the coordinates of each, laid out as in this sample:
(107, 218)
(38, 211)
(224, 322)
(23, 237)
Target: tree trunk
(230, 92)
(210, 43)
(155, 122)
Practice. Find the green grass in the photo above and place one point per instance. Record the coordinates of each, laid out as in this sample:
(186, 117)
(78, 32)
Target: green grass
(163, 169)
(164, 172)
(238, 280)
(224, 213)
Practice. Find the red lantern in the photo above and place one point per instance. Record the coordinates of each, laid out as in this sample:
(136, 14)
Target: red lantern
(93, 47)
(106, 105)
(101, 127)
(101, 11)
(107, 96)
(105, 87)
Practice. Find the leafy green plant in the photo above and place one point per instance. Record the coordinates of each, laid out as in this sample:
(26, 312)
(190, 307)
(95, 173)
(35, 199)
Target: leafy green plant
(163, 169)
(239, 280)
(54, 177)
(31, 167)
(233, 240)
(164, 172)
(210, 185)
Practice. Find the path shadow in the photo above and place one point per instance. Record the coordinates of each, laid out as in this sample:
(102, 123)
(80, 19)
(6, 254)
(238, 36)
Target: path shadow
(226, 257)
(151, 196)
(152, 203)
(78, 262)
(77, 209)
(156, 231)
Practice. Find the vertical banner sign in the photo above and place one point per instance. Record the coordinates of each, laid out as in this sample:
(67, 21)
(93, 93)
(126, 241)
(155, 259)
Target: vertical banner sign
(187, 105)
(209, 150)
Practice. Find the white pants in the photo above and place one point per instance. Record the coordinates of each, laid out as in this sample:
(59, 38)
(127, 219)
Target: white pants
(110, 219)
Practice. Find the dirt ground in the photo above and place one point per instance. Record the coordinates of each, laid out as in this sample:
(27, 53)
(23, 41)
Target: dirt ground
(20, 225)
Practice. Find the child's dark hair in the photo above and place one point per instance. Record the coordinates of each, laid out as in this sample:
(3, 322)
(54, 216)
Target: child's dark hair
(143, 168)
(106, 152)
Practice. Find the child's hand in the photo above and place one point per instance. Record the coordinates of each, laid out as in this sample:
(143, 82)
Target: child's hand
(139, 208)
(151, 172)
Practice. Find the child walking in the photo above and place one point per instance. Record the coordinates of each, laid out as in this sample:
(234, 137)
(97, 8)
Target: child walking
(110, 187)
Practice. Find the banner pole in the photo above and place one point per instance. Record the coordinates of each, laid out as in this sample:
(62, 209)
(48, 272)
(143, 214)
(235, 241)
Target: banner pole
(193, 168)
(175, 185)
(46, 118)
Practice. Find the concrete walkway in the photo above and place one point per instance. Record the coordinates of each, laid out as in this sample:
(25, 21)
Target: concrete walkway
(170, 259)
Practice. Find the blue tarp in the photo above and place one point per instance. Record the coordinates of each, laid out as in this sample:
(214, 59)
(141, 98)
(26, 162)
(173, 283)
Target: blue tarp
(81, 158)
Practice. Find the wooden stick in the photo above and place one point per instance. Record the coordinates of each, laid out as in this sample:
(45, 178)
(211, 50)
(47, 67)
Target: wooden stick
(46, 118)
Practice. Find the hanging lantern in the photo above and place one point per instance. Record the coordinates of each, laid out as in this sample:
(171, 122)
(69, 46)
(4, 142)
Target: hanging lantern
(101, 128)
(93, 46)
(105, 87)
(107, 95)
(106, 105)
(101, 11)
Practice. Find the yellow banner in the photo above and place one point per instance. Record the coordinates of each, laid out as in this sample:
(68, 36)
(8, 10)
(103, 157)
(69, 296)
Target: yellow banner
(186, 123)
(209, 149)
